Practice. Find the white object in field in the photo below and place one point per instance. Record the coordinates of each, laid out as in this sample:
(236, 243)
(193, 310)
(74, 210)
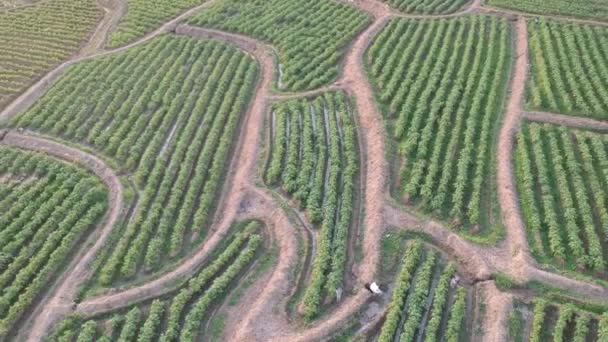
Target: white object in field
(454, 281)
(375, 289)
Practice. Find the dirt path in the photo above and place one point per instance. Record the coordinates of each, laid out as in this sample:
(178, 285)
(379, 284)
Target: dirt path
(517, 242)
(59, 302)
(498, 307)
(566, 120)
(114, 11)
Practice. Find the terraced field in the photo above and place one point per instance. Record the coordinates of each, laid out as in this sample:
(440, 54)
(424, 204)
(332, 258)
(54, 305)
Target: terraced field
(198, 97)
(314, 157)
(441, 110)
(47, 207)
(569, 68)
(142, 17)
(422, 280)
(596, 9)
(38, 37)
(427, 6)
(179, 316)
(562, 184)
(309, 35)
(303, 170)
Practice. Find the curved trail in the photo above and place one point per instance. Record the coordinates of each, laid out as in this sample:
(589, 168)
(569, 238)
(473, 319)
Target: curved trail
(503, 11)
(517, 242)
(566, 120)
(62, 298)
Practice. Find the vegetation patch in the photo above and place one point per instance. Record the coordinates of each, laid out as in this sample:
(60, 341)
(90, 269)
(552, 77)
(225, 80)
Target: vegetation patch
(308, 34)
(46, 207)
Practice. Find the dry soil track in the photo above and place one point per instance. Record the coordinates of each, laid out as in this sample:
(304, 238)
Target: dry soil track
(60, 301)
(265, 320)
(566, 120)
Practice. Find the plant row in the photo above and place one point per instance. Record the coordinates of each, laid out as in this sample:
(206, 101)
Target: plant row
(37, 37)
(308, 34)
(143, 16)
(178, 317)
(583, 9)
(314, 158)
(168, 110)
(442, 83)
(569, 65)
(47, 208)
(565, 323)
(427, 6)
(420, 308)
(561, 182)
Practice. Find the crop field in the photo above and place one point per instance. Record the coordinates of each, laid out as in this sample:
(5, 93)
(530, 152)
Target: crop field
(310, 35)
(562, 180)
(38, 37)
(177, 150)
(550, 321)
(180, 316)
(143, 16)
(569, 64)
(442, 109)
(423, 279)
(46, 208)
(304, 170)
(596, 9)
(314, 158)
(427, 6)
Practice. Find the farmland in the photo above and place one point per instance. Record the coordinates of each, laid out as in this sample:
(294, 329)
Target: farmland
(568, 62)
(596, 9)
(309, 35)
(562, 185)
(38, 37)
(303, 170)
(442, 125)
(555, 321)
(178, 317)
(144, 16)
(47, 207)
(314, 158)
(156, 147)
(408, 315)
(427, 6)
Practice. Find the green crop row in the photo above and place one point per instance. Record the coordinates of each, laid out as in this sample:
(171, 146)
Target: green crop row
(443, 82)
(562, 194)
(308, 34)
(427, 6)
(45, 209)
(314, 157)
(178, 317)
(569, 68)
(169, 110)
(37, 37)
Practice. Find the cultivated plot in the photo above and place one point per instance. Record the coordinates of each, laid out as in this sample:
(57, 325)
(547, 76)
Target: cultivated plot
(37, 37)
(310, 35)
(46, 208)
(167, 113)
(442, 84)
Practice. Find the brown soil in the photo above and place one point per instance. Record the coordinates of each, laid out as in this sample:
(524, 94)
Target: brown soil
(498, 306)
(507, 193)
(566, 120)
(59, 302)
